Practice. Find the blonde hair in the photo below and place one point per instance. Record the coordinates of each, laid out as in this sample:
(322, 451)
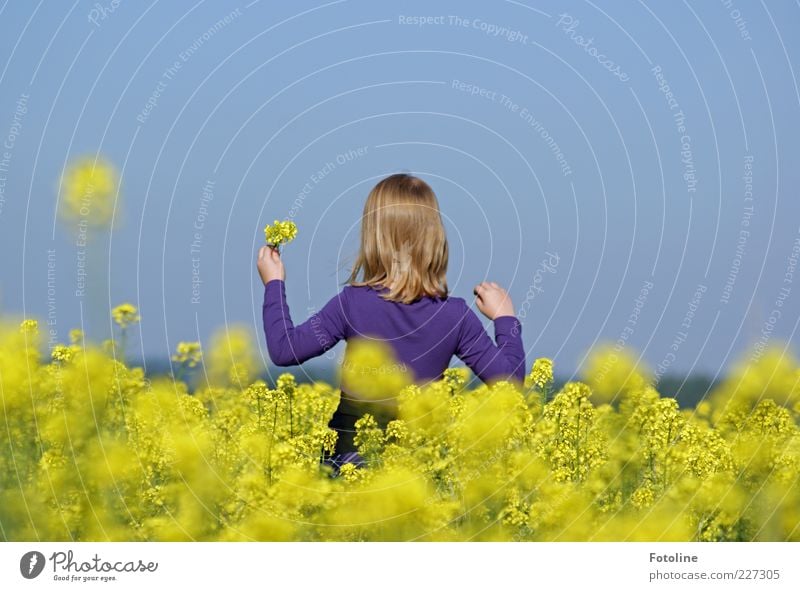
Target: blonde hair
(403, 242)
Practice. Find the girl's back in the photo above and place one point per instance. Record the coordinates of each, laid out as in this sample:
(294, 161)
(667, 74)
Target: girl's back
(424, 334)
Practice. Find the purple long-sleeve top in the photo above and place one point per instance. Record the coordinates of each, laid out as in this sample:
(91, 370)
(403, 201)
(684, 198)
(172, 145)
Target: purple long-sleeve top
(424, 334)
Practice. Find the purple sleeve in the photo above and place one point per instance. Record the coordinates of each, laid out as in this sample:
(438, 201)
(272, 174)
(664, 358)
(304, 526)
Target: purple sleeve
(505, 360)
(288, 344)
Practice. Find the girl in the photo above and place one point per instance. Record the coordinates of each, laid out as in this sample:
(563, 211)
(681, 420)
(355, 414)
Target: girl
(401, 298)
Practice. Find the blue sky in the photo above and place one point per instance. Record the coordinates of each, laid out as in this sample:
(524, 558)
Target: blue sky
(612, 210)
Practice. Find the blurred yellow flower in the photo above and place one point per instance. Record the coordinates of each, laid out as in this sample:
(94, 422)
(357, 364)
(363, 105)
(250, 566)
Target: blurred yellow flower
(230, 357)
(188, 353)
(772, 374)
(611, 372)
(76, 336)
(371, 371)
(62, 353)
(88, 191)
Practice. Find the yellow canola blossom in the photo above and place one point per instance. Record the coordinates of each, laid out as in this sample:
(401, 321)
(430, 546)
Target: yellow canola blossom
(541, 374)
(88, 191)
(370, 370)
(280, 232)
(188, 353)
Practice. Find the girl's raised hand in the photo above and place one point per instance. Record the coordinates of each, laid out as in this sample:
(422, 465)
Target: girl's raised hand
(269, 264)
(492, 300)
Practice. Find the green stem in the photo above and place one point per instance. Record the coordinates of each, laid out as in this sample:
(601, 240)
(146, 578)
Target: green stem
(123, 343)
(578, 443)
(97, 285)
(291, 421)
(666, 453)
(271, 439)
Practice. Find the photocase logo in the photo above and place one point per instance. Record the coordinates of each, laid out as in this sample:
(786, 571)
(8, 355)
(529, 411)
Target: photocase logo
(31, 564)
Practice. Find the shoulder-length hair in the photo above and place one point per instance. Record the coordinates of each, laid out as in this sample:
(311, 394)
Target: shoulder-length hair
(403, 241)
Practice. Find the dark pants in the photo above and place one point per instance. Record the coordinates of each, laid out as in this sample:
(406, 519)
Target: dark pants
(344, 422)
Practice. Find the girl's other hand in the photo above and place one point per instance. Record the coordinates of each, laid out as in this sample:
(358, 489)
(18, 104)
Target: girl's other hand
(492, 300)
(269, 264)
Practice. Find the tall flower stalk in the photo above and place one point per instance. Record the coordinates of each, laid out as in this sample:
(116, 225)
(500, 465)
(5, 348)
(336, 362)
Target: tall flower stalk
(88, 193)
(124, 315)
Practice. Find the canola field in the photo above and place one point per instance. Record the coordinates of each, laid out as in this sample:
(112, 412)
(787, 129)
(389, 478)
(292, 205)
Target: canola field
(93, 450)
